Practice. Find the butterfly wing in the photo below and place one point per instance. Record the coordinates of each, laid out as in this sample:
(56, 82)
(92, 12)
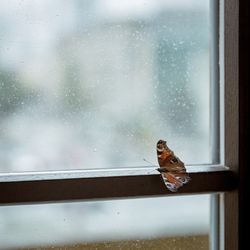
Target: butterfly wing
(172, 169)
(183, 178)
(171, 182)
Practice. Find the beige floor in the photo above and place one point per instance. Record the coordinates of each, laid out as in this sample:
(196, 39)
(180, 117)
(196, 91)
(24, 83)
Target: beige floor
(200, 242)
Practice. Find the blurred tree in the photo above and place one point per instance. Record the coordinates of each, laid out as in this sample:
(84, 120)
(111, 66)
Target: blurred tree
(12, 93)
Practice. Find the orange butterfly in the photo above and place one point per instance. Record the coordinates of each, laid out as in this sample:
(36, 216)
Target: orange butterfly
(172, 169)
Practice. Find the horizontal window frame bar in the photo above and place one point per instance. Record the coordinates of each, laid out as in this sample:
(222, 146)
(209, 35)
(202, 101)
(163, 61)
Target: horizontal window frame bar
(58, 186)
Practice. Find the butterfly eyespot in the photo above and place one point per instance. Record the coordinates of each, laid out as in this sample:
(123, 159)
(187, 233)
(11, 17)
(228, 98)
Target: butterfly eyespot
(184, 180)
(171, 187)
(161, 142)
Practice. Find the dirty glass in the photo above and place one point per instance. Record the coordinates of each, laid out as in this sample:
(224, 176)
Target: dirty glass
(153, 223)
(95, 84)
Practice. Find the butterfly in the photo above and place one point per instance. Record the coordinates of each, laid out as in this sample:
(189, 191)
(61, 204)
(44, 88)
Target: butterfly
(172, 169)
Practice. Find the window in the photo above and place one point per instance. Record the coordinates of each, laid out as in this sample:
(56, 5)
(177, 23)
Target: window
(138, 39)
(103, 86)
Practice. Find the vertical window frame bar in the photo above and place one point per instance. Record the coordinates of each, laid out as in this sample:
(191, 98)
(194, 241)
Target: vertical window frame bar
(230, 200)
(215, 111)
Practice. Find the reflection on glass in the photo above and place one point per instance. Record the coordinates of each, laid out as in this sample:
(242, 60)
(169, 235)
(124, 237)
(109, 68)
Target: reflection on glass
(136, 221)
(92, 84)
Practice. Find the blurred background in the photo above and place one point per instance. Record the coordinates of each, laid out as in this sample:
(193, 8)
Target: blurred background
(94, 84)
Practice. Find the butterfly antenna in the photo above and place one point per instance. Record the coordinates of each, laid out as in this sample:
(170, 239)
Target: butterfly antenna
(150, 164)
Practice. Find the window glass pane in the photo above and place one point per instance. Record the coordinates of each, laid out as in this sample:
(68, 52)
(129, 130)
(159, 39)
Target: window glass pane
(92, 84)
(162, 223)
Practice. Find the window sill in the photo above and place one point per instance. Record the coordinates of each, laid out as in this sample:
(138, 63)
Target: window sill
(57, 186)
